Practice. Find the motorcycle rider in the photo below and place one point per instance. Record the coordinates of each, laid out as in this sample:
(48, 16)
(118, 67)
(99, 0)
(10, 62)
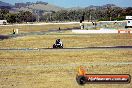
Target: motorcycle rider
(59, 42)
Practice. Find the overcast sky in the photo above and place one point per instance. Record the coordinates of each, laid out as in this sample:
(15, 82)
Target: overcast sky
(78, 3)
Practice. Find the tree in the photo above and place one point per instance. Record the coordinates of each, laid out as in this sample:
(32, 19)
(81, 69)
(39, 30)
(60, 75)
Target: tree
(3, 13)
(11, 18)
(128, 11)
(25, 16)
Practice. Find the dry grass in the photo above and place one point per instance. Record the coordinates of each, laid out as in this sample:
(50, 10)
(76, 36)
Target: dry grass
(35, 28)
(90, 40)
(56, 68)
(28, 70)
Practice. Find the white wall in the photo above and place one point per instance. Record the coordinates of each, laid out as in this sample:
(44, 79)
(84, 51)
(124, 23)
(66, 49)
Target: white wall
(1, 21)
(128, 17)
(129, 20)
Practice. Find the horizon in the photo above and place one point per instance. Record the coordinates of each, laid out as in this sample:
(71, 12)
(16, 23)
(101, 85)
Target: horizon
(77, 3)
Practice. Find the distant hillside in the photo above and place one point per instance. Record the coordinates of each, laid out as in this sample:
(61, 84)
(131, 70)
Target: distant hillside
(4, 5)
(109, 5)
(94, 7)
(43, 11)
(47, 7)
(101, 7)
(75, 8)
(39, 6)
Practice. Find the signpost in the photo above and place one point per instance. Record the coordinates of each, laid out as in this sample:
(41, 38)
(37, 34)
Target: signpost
(129, 22)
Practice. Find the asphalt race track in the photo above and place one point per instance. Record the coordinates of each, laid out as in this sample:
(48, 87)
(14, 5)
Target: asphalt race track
(76, 48)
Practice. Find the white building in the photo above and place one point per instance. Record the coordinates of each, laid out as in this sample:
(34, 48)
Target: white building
(129, 21)
(3, 22)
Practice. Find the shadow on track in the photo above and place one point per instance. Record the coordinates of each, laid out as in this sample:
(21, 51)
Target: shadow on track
(2, 37)
(74, 48)
(110, 47)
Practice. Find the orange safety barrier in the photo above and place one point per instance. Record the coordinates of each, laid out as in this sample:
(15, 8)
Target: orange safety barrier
(126, 31)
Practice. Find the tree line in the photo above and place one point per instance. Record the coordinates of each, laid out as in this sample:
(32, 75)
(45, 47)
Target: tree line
(108, 13)
(21, 16)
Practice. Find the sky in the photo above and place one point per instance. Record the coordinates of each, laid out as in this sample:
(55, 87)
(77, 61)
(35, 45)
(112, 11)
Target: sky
(79, 3)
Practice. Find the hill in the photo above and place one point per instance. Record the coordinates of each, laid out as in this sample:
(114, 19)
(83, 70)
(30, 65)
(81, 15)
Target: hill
(101, 7)
(41, 6)
(38, 6)
(4, 5)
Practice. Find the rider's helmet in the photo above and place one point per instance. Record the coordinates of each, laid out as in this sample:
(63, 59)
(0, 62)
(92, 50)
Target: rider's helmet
(58, 40)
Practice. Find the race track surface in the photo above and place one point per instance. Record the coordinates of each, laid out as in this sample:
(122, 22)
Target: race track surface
(74, 48)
